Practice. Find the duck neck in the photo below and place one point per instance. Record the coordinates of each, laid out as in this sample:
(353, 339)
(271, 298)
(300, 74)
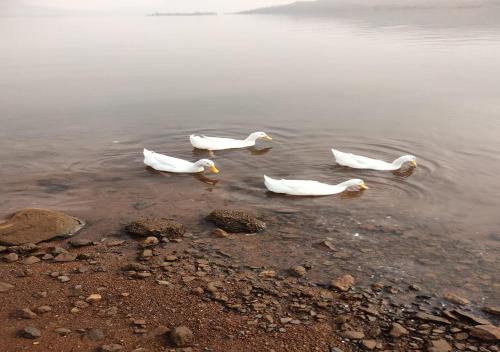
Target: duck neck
(399, 162)
(252, 137)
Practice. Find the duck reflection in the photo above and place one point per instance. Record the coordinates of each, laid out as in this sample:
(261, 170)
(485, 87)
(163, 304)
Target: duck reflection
(204, 179)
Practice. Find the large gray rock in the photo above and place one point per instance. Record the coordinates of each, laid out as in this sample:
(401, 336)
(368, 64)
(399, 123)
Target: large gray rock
(37, 225)
(238, 221)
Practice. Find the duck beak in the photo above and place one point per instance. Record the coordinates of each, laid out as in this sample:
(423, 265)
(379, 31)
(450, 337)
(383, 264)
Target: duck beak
(363, 186)
(267, 138)
(214, 169)
(414, 163)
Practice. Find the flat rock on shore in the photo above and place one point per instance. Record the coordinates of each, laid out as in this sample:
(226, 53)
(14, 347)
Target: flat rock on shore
(238, 221)
(37, 225)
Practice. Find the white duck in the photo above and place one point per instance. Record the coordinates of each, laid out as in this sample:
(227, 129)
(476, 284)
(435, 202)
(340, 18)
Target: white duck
(218, 143)
(362, 162)
(162, 162)
(311, 188)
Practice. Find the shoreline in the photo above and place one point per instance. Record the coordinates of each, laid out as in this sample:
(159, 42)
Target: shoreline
(134, 291)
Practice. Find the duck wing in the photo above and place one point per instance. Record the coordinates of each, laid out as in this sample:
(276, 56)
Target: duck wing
(360, 162)
(216, 143)
(301, 187)
(163, 162)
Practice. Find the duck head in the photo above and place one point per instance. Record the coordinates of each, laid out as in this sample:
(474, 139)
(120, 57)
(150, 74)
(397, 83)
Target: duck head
(410, 160)
(258, 135)
(209, 164)
(354, 184)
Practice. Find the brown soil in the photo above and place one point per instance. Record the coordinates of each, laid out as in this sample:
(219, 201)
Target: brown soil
(227, 306)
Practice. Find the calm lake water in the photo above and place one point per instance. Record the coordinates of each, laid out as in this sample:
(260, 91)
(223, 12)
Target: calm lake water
(82, 96)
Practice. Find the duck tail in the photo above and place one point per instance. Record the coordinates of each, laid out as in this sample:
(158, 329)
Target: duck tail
(335, 153)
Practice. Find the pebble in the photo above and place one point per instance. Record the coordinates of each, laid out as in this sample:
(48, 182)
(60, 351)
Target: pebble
(113, 347)
(62, 331)
(354, 335)
(26, 313)
(454, 298)
(298, 270)
(343, 283)
(94, 334)
(80, 242)
(43, 309)
(65, 257)
(369, 344)
(440, 345)
(63, 278)
(151, 241)
(11, 257)
(219, 233)
(95, 297)
(486, 332)
(30, 332)
(4, 287)
(398, 330)
(31, 260)
(181, 336)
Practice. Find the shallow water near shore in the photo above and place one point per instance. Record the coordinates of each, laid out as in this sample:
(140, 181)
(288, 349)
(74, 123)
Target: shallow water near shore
(82, 97)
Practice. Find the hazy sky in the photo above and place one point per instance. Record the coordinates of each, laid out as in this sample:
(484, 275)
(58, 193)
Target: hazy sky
(156, 5)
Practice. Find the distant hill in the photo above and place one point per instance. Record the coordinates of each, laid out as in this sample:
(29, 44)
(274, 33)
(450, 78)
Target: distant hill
(322, 7)
(184, 14)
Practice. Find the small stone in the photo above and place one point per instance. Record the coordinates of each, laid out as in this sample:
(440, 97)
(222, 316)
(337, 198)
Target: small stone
(4, 287)
(151, 241)
(486, 332)
(454, 298)
(267, 273)
(219, 233)
(43, 309)
(285, 320)
(469, 316)
(80, 242)
(398, 330)
(11, 257)
(63, 278)
(47, 256)
(171, 258)
(163, 282)
(95, 297)
(65, 257)
(369, 344)
(343, 283)
(113, 347)
(431, 318)
(62, 331)
(298, 270)
(354, 335)
(147, 253)
(492, 310)
(26, 313)
(198, 291)
(181, 336)
(30, 332)
(440, 345)
(31, 260)
(94, 334)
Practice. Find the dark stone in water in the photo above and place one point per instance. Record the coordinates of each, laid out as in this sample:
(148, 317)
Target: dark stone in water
(53, 186)
(238, 221)
(156, 227)
(37, 225)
